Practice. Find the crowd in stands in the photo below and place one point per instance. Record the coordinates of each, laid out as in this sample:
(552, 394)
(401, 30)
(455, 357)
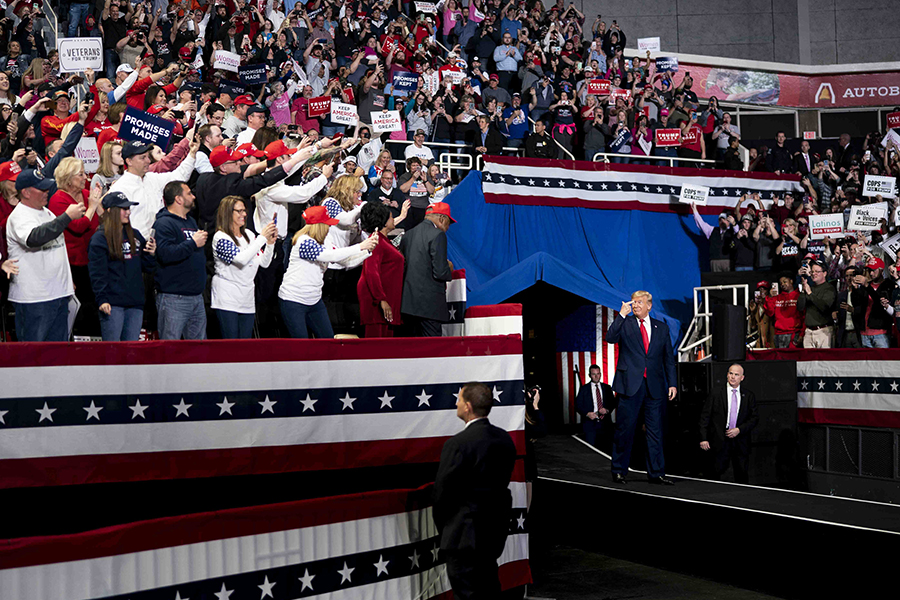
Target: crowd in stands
(256, 212)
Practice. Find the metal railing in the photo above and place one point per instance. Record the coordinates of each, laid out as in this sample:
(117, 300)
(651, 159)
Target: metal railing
(604, 157)
(48, 10)
(555, 141)
(698, 337)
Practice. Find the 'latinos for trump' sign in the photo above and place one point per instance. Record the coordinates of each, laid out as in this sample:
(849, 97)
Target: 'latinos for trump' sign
(693, 194)
(823, 226)
(78, 54)
(875, 185)
(227, 61)
(599, 87)
(144, 127)
(388, 120)
(667, 137)
(319, 106)
(866, 218)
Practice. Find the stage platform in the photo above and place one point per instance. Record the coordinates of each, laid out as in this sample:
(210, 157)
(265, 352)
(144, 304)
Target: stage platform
(782, 542)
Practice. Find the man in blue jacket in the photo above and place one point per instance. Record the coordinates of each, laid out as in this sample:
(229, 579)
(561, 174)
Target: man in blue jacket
(645, 376)
(181, 267)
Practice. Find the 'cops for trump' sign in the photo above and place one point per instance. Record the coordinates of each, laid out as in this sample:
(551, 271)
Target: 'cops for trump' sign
(693, 194)
(875, 185)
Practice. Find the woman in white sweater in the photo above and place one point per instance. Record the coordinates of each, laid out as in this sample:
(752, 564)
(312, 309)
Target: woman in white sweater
(300, 294)
(238, 254)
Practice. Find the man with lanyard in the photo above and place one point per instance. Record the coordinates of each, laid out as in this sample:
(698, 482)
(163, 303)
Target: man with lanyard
(516, 117)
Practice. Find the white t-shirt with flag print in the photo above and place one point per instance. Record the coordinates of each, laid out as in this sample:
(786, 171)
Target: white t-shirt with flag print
(236, 266)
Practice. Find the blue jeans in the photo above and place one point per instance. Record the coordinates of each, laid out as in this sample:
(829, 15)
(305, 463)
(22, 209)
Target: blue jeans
(235, 325)
(121, 324)
(876, 341)
(298, 316)
(180, 316)
(331, 131)
(110, 62)
(622, 160)
(43, 321)
(78, 12)
(743, 268)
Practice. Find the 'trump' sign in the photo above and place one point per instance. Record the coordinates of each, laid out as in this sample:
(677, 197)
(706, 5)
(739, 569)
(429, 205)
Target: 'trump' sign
(319, 106)
(599, 87)
(144, 127)
(668, 137)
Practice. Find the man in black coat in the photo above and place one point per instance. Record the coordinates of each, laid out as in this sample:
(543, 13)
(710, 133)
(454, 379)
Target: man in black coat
(727, 418)
(427, 271)
(472, 501)
(594, 402)
(851, 301)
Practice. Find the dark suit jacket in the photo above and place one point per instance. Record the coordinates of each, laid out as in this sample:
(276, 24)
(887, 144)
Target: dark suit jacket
(584, 403)
(800, 164)
(424, 283)
(472, 501)
(494, 141)
(859, 313)
(714, 416)
(659, 361)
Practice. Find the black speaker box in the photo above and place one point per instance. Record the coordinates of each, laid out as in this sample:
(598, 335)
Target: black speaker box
(729, 326)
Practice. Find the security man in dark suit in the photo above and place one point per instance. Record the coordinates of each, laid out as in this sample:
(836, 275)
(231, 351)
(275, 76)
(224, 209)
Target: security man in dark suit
(727, 418)
(427, 271)
(472, 501)
(594, 402)
(645, 376)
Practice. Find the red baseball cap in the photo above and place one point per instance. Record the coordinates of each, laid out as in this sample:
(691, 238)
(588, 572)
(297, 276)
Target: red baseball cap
(186, 53)
(875, 263)
(248, 149)
(318, 214)
(762, 284)
(221, 155)
(245, 99)
(440, 208)
(9, 171)
(277, 148)
(156, 109)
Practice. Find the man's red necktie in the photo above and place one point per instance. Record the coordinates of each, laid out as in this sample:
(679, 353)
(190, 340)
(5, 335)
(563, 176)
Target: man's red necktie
(646, 341)
(597, 396)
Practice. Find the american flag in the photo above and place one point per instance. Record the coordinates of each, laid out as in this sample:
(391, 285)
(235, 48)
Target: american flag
(581, 342)
(108, 412)
(374, 545)
(507, 180)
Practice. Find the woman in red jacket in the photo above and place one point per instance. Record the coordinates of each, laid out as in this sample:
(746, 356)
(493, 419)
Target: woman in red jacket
(381, 282)
(71, 179)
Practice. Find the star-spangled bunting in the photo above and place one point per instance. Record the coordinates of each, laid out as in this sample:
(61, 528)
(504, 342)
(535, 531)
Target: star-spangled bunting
(849, 385)
(113, 409)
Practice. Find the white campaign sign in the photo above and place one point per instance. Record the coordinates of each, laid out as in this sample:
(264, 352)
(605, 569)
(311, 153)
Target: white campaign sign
(875, 185)
(866, 217)
(651, 44)
(892, 246)
(693, 194)
(345, 114)
(78, 54)
(386, 121)
(822, 226)
(87, 152)
(227, 61)
(427, 7)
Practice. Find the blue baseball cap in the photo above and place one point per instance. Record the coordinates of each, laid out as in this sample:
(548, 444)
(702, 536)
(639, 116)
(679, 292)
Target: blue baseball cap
(134, 147)
(33, 178)
(119, 199)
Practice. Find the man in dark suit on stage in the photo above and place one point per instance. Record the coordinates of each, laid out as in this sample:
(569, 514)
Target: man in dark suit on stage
(472, 501)
(424, 247)
(645, 377)
(728, 416)
(594, 402)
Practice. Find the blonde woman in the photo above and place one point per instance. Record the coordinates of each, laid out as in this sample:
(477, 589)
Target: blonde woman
(35, 75)
(111, 166)
(383, 161)
(300, 294)
(237, 257)
(70, 179)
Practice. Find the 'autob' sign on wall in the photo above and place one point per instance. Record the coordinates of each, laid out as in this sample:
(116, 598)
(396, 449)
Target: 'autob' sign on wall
(78, 54)
(147, 128)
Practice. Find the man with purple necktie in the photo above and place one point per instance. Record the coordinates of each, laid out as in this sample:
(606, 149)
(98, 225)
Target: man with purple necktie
(727, 418)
